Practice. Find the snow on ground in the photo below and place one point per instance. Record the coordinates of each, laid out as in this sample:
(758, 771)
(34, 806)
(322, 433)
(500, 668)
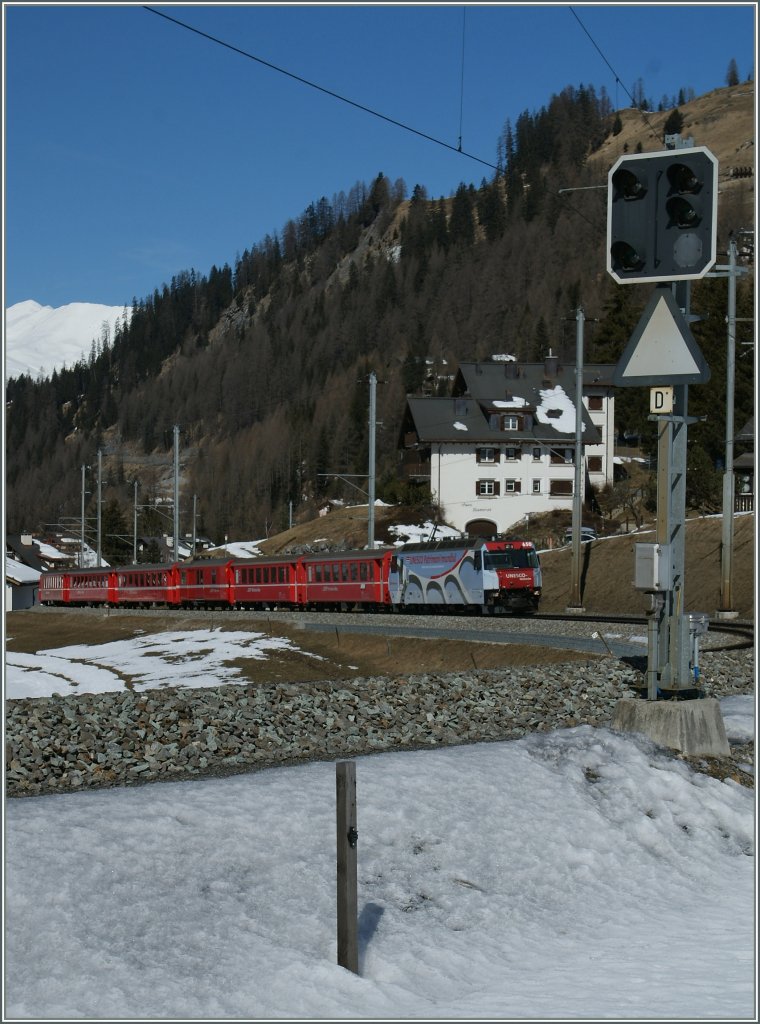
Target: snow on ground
(149, 661)
(420, 534)
(243, 549)
(580, 874)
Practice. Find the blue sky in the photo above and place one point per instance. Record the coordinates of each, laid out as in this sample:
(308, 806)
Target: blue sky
(135, 149)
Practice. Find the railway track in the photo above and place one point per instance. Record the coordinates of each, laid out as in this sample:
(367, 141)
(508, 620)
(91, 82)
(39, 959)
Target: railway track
(744, 631)
(586, 637)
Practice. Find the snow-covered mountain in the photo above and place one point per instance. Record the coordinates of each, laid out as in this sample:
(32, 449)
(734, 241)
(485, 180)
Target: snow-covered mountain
(39, 339)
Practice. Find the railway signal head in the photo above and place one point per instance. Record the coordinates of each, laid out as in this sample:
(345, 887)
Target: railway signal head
(662, 216)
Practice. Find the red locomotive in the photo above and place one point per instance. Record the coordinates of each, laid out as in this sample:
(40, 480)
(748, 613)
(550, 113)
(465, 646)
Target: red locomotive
(486, 576)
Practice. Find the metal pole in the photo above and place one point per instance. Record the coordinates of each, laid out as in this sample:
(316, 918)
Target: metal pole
(575, 599)
(727, 538)
(81, 539)
(100, 477)
(134, 531)
(195, 506)
(372, 418)
(176, 493)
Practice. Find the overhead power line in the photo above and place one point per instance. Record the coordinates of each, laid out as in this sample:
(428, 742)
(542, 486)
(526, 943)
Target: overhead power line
(617, 77)
(322, 89)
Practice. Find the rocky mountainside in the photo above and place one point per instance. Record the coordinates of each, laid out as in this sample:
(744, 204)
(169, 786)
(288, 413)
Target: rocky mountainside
(264, 365)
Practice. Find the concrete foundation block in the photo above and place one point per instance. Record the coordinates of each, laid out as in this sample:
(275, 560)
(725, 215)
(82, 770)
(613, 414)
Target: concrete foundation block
(690, 726)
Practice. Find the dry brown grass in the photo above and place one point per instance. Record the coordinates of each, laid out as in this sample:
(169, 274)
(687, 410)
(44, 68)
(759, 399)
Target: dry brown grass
(339, 654)
(607, 571)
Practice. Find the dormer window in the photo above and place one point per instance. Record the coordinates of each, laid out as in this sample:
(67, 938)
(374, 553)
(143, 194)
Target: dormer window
(510, 422)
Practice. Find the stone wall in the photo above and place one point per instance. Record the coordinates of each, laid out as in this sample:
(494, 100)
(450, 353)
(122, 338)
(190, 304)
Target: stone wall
(116, 739)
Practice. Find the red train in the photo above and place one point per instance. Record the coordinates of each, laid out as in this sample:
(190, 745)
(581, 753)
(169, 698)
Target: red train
(490, 576)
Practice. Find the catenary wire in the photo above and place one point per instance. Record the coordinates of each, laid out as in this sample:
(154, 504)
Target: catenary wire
(377, 114)
(327, 92)
(617, 77)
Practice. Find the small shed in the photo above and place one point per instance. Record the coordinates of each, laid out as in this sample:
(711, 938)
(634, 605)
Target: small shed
(21, 585)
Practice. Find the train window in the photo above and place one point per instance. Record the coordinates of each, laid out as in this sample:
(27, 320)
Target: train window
(309, 575)
(394, 563)
(258, 574)
(183, 577)
(281, 573)
(363, 570)
(354, 572)
(335, 572)
(318, 573)
(213, 575)
(478, 561)
(344, 571)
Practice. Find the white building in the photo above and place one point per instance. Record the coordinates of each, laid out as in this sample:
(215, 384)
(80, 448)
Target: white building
(503, 446)
(21, 585)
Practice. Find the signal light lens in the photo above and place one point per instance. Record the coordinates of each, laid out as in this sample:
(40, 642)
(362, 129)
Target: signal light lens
(687, 251)
(626, 257)
(682, 213)
(683, 179)
(628, 185)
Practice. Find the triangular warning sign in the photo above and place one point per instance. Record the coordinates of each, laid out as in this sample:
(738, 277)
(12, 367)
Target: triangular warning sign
(662, 349)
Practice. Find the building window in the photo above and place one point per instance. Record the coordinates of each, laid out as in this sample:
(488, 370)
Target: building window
(536, 454)
(512, 486)
(510, 423)
(536, 486)
(488, 455)
(512, 454)
(560, 488)
(596, 403)
(595, 463)
(486, 488)
(562, 456)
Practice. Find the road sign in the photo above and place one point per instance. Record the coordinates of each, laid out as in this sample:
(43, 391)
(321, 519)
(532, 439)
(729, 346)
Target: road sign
(662, 349)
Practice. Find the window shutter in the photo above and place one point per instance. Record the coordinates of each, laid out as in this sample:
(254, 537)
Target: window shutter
(496, 487)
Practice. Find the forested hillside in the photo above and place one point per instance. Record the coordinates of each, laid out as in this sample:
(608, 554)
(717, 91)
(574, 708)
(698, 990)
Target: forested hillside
(264, 363)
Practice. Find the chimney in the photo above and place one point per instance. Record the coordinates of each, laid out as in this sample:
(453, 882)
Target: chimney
(509, 368)
(550, 366)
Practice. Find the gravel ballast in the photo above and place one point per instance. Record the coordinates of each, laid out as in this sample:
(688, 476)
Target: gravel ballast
(74, 742)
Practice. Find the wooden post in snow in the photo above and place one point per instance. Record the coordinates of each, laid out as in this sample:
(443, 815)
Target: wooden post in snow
(347, 836)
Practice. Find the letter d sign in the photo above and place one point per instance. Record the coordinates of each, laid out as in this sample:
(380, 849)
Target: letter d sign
(661, 401)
